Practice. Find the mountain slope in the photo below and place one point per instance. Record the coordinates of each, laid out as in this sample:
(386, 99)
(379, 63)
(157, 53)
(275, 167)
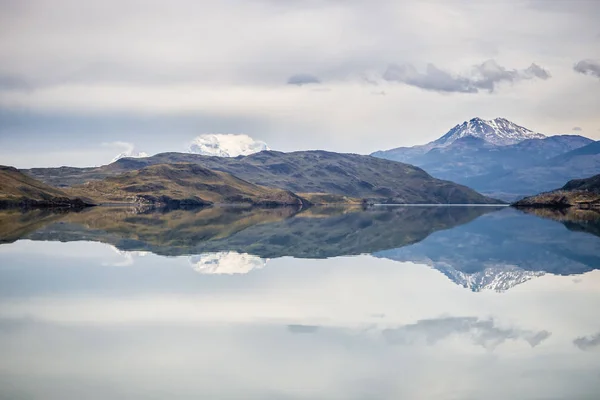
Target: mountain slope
(18, 189)
(349, 175)
(498, 131)
(182, 184)
(577, 192)
(478, 154)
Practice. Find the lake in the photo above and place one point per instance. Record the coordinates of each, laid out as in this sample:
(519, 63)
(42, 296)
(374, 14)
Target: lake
(323, 303)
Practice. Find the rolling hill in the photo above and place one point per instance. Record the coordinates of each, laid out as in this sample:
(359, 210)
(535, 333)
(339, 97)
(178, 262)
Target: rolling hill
(577, 192)
(350, 175)
(18, 189)
(180, 185)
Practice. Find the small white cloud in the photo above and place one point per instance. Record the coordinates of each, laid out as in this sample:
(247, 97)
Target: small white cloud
(127, 150)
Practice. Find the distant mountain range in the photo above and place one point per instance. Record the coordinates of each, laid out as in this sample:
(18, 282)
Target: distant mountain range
(313, 172)
(502, 159)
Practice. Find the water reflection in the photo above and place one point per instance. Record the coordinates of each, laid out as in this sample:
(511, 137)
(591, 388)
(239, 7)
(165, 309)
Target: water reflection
(479, 248)
(280, 304)
(73, 326)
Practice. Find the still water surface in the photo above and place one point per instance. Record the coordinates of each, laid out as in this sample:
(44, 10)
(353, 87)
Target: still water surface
(401, 303)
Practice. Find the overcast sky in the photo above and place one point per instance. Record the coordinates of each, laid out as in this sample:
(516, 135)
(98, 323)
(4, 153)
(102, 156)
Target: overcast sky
(81, 81)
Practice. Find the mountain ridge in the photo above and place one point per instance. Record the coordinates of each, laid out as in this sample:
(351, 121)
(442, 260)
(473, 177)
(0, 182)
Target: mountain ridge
(537, 163)
(352, 175)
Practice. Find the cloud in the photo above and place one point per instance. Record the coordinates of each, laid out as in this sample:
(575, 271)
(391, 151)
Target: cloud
(297, 328)
(588, 67)
(303, 79)
(577, 129)
(127, 150)
(587, 342)
(484, 333)
(226, 145)
(13, 82)
(484, 76)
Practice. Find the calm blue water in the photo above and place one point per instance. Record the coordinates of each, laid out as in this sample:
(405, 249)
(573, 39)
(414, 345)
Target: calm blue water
(402, 303)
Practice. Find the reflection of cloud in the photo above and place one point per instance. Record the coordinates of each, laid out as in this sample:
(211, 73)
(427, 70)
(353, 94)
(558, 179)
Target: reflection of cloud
(303, 79)
(128, 257)
(482, 332)
(302, 328)
(226, 262)
(587, 342)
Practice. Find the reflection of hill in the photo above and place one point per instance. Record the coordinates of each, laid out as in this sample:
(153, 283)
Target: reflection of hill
(15, 224)
(500, 250)
(574, 218)
(267, 233)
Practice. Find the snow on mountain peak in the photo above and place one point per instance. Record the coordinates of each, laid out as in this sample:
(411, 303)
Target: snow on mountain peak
(498, 131)
(128, 151)
(494, 277)
(226, 145)
(226, 263)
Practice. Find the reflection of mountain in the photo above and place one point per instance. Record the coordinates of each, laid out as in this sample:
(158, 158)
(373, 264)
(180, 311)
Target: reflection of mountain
(498, 278)
(573, 218)
(503, 249)
(266, 233)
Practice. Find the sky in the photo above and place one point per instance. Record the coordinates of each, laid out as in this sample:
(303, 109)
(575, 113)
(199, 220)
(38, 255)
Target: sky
(81, 82)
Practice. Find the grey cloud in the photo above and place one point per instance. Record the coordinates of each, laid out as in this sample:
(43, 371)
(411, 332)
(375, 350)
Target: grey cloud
(13, 82)
(483, 76)
(577, 129)
(432, 79)
(484, 333)
(587, 342)
(588, 67)
(303, 79)
(302, 328)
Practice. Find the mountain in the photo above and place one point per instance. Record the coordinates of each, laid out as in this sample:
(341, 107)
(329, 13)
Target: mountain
(226, 145)
(181, 184)
(350, 175)
(18, 189)
(478, 154)
(498, 131)
(577, 192)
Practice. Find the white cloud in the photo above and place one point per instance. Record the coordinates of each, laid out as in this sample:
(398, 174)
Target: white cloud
(128, 150)
(226, 145)
(231, 60)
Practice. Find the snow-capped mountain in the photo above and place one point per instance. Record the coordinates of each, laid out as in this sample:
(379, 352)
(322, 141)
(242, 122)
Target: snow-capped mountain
(226, 145)
(498, 131)
(226, 263)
